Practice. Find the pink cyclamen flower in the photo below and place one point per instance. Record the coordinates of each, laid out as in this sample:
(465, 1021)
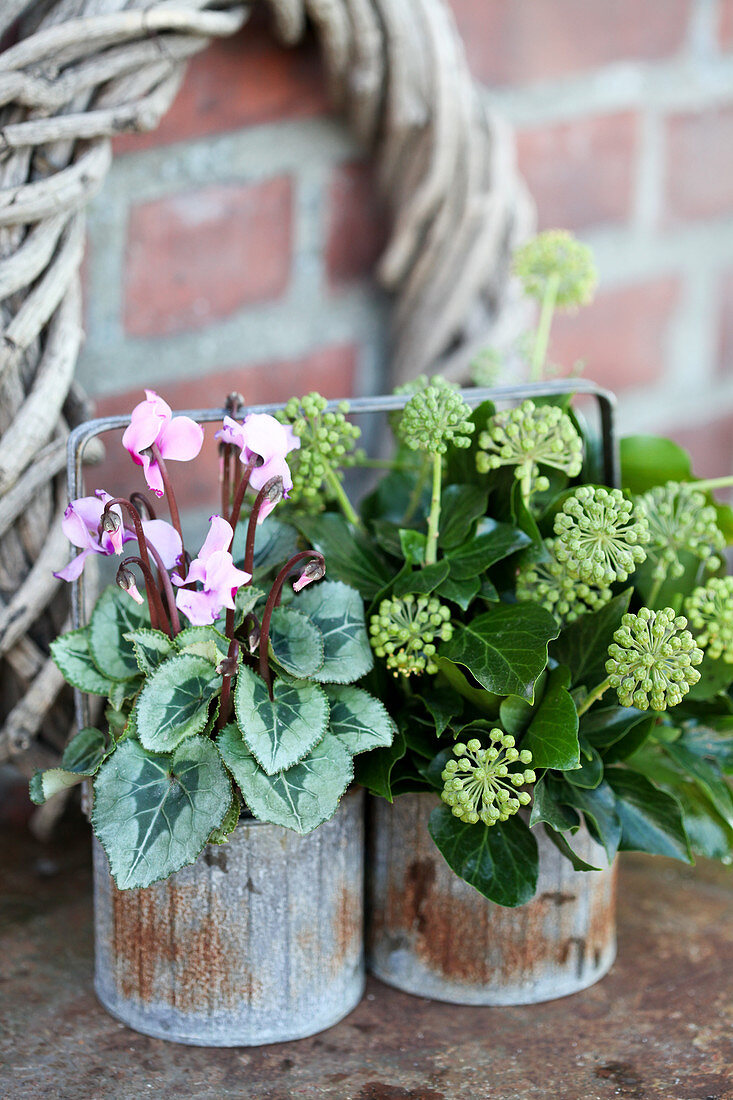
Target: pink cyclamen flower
(263, 437)
(214, 568)
(176, 437)
(81, 526)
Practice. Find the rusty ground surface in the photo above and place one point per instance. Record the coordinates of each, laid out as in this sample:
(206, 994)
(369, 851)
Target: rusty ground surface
(660, 1025)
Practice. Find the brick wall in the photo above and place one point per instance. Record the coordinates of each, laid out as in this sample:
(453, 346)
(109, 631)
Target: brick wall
(232, 248)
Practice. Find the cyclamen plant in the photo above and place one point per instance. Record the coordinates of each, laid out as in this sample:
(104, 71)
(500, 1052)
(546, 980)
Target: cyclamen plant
(227, 692)
(556, 652)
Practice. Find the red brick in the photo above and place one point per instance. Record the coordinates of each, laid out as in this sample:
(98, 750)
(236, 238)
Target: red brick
(581, 173)
(330, 370)
(519, 41)
(725, 25)
(711, 446)
(621, 337)
(240, 81)
(356, 224)
(203, 255)
(699, 171)
(726, 324)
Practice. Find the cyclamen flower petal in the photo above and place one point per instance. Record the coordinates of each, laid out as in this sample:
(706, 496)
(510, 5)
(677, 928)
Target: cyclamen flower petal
(262, 436)
(81, 523)
(214, 569)
(177, 437)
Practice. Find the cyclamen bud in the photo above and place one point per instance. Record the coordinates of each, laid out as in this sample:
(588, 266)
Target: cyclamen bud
(126, 580)
(315, 570)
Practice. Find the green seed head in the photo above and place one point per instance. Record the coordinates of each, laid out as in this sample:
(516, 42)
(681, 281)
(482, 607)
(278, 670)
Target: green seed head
(436, 416)
(327, 446)
(652, 658)
(404, 632)
(527, 437)
(479, 786)
(710, 612)
(549, 584)
(555, 254)
(680, 520)
(599, 536)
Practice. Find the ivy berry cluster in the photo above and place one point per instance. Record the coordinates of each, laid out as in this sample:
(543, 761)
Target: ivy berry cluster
(479, 785)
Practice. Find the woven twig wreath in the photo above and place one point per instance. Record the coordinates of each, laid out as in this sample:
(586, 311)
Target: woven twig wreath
(81, 71)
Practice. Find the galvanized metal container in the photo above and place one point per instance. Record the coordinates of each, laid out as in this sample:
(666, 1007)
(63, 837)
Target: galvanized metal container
(259, 941)
(431, 934)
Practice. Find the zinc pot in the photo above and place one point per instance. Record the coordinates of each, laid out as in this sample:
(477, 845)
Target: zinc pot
(431, 934)
(259, 941)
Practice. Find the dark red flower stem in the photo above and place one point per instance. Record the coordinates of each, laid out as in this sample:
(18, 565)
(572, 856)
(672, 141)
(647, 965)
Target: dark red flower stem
(170, 495)
(272, 601)
(170, 598)
(241, 490)
(230, 664)
(137, 523)
(249, 549)
(154, 601)
(142, 503)
(225, 458)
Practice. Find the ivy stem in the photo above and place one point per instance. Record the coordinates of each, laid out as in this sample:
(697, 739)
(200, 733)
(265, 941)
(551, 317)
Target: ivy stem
(229, 665)
(167, 485)
(418, 490)
(241, 490)
(249, 549)
(154, 601)
(272, 601)
(170, 598)
(542, 336)
(343, 501)
(712, 483)
(654, 592)
(594, 696)
(431, 547)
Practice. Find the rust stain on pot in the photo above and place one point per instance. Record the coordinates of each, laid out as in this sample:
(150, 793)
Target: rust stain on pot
(164, 935)
(348, 924)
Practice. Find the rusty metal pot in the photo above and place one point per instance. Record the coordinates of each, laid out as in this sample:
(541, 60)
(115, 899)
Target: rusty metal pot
(259, 941)
(431, 934)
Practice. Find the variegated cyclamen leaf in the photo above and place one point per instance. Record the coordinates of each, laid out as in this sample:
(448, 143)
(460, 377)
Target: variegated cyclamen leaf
(85, 752)
(338, 612)
(246, 599)
(151, 648)
(124, 689)
(358, 720)
(174, 703)
(154, 812)
(230, 822)
(299, 798)
(296, 641)
(203, 641)
(74, 660)
(282, 730)
(115, 615)
(82, 758)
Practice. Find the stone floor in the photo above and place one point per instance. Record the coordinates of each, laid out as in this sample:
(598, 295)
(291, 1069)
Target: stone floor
(659, 1026)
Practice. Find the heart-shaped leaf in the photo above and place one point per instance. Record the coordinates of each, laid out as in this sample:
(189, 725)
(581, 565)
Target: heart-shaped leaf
(492, 542)
(462, 592)
(154, 812)
(174, 704)
(552, 737)
(421, 581)
(73, 657)
(374, 769)
(151, 648)
(358, 720)
(203, 641)
(505, 649)
(282, 730)
(338, 612)
(500, 861)
(460, 507)
(300, 798)
(81, 759)
(651, 819)
(296, 641)
(598, 805)
(115, 615)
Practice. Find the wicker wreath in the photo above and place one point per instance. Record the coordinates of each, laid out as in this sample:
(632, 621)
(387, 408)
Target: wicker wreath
(81, 71)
